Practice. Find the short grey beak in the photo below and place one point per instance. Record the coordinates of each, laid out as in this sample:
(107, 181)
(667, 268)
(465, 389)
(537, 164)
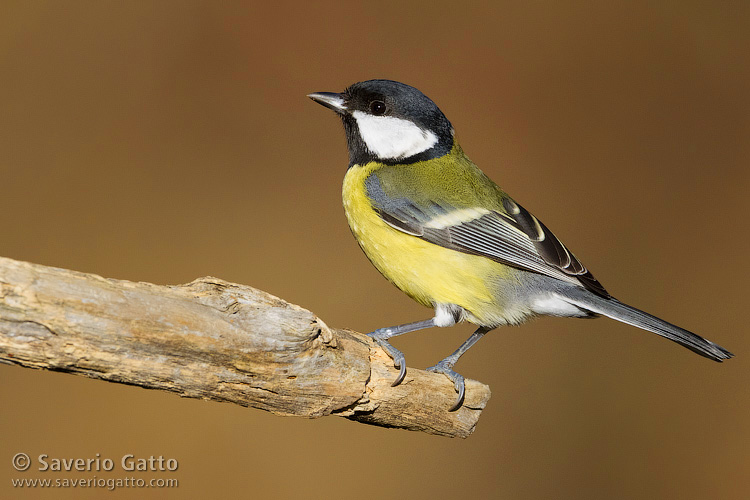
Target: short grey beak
(330, 100)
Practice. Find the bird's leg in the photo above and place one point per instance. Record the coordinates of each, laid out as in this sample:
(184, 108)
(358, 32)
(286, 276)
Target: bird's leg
(446, 366)
(381, 336)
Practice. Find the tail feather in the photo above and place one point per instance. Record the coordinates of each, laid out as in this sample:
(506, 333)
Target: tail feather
(613, 308)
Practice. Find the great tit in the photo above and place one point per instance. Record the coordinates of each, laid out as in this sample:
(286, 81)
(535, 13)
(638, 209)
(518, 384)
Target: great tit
(440, 230)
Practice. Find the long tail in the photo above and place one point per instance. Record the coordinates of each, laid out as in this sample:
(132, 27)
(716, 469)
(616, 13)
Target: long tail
(613, 308)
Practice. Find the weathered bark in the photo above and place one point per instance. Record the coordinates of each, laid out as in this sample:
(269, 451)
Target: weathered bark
(220, 341)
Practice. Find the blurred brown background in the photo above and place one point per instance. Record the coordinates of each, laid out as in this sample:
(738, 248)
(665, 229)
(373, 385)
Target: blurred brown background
(162, 141)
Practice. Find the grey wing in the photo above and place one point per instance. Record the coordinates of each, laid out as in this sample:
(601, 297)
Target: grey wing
(515, 238)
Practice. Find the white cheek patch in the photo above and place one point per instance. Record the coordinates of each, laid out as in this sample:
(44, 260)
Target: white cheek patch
(392, 138)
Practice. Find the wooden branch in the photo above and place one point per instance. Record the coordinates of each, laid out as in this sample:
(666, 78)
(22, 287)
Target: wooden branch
(220, 341)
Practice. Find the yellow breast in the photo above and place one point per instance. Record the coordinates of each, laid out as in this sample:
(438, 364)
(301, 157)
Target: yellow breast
(428, 273)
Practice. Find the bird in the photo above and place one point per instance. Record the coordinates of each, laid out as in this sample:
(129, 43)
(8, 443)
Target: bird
(444, 233)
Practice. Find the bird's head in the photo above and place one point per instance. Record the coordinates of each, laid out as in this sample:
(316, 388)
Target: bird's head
(389, 122)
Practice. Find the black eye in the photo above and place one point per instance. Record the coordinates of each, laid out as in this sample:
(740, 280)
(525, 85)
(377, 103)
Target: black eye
(377, 108)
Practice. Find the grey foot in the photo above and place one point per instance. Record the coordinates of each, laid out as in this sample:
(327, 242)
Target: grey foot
(458, 381)
(399, 361)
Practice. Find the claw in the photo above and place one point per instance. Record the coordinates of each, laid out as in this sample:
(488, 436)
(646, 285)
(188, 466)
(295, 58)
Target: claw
(456, 378)
(399, 361)
(460, 399)
(401, 374)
